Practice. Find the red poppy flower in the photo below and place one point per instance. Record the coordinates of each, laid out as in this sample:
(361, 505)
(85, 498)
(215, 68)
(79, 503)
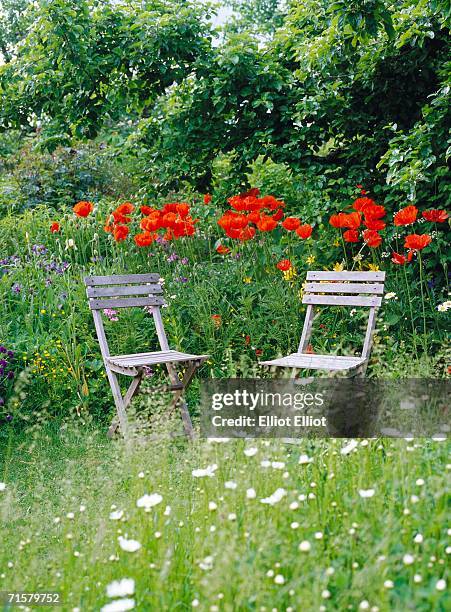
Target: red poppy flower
(266, 223)
(120, 217)
(436, 216)
(147, 210)
(291, 223)
(183, 209)
(120, 232)
(83, 209)
(237, 203)
(247, 339)
(169, 219)
(233, 232)
(374, 211)
(375, 224)
(125, 209)
(238, 221)
(304, 231)
(353, 220)
(271, 202)
(361, 203)
(339, 220)
(258, 352)
(170, 207)
(372, 238)
(400, 260)
(406, 216)
(144, 239)
(217, 319)
(417, 242)
(207, 198)
(55, 227)
(246, 234)
(277, 216)
(351, 235)
(253, 217)
(151, 223)
(222, 250)
(284, 265)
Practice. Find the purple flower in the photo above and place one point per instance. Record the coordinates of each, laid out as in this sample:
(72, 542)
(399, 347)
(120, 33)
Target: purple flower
(9, 418)
(10, 375)
(10, 354)
(110, 314)
(2, 401)
(2, 349)
(148, 372)
(172, 257)
(16, 288)
(184, 261)
(182, 279)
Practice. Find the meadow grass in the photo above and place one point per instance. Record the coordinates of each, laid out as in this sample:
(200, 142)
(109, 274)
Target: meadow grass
(370, 514)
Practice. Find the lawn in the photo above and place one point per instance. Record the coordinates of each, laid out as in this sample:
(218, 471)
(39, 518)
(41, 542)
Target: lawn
(328, 525)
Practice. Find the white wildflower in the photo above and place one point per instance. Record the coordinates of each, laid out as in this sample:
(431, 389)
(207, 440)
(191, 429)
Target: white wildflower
(440, 585)
(230, 484)
(305, 546)
(148, 501)
(366, 493)
(212, 505)
(274, 498)
(129, 545)
(116, 515)
(408, 559)
(418, 539)
(279, 579)
(251, 493)
(349, 447)
(206, 564)
(120, 605)
(208, 471)
(121, 588)
(304, 459)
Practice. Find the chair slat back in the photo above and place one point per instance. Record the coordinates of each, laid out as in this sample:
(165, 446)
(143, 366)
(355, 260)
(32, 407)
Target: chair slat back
(115, 291)
(344, 288)
(120, 291)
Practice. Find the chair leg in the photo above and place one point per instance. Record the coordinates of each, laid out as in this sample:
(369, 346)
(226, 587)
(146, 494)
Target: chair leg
(180, 394)
(131, 392)
(118, 400)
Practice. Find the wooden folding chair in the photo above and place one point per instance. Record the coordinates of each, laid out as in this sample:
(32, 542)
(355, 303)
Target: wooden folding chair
(112, 292)
(336, 289)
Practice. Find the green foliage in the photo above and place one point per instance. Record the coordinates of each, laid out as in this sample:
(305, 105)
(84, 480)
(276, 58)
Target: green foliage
(33, 176)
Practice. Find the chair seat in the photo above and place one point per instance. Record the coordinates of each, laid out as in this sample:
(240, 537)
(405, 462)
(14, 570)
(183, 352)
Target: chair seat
(142, 359)
(316, 362)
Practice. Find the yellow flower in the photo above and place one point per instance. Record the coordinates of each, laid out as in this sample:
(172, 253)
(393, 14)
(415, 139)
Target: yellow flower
(337, 242)
(43, 311)
(247, 280)
(373, 267)
(289, 274)
(310, 259)
(338, 267)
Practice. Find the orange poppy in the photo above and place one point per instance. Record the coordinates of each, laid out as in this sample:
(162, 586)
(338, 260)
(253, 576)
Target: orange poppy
(120, 232)
(169, 219)
(55, 227)
(436, 216)
(151, 223)
(304, 231)
(83, 209)
(144, 239)
(406, 216)
(147, 210)
(284, 265)
(417, 242)
(400, 260)
(207, 198)
(266, 223)
(339, 220)
(351, 235)
(291, 223)
(125, 209)
(361, 203)
(217, 320)
(372, 238)
(246, 234)
(375, 224)
(222, 250)
(277, 216)
(183, 209)
(374, 211)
